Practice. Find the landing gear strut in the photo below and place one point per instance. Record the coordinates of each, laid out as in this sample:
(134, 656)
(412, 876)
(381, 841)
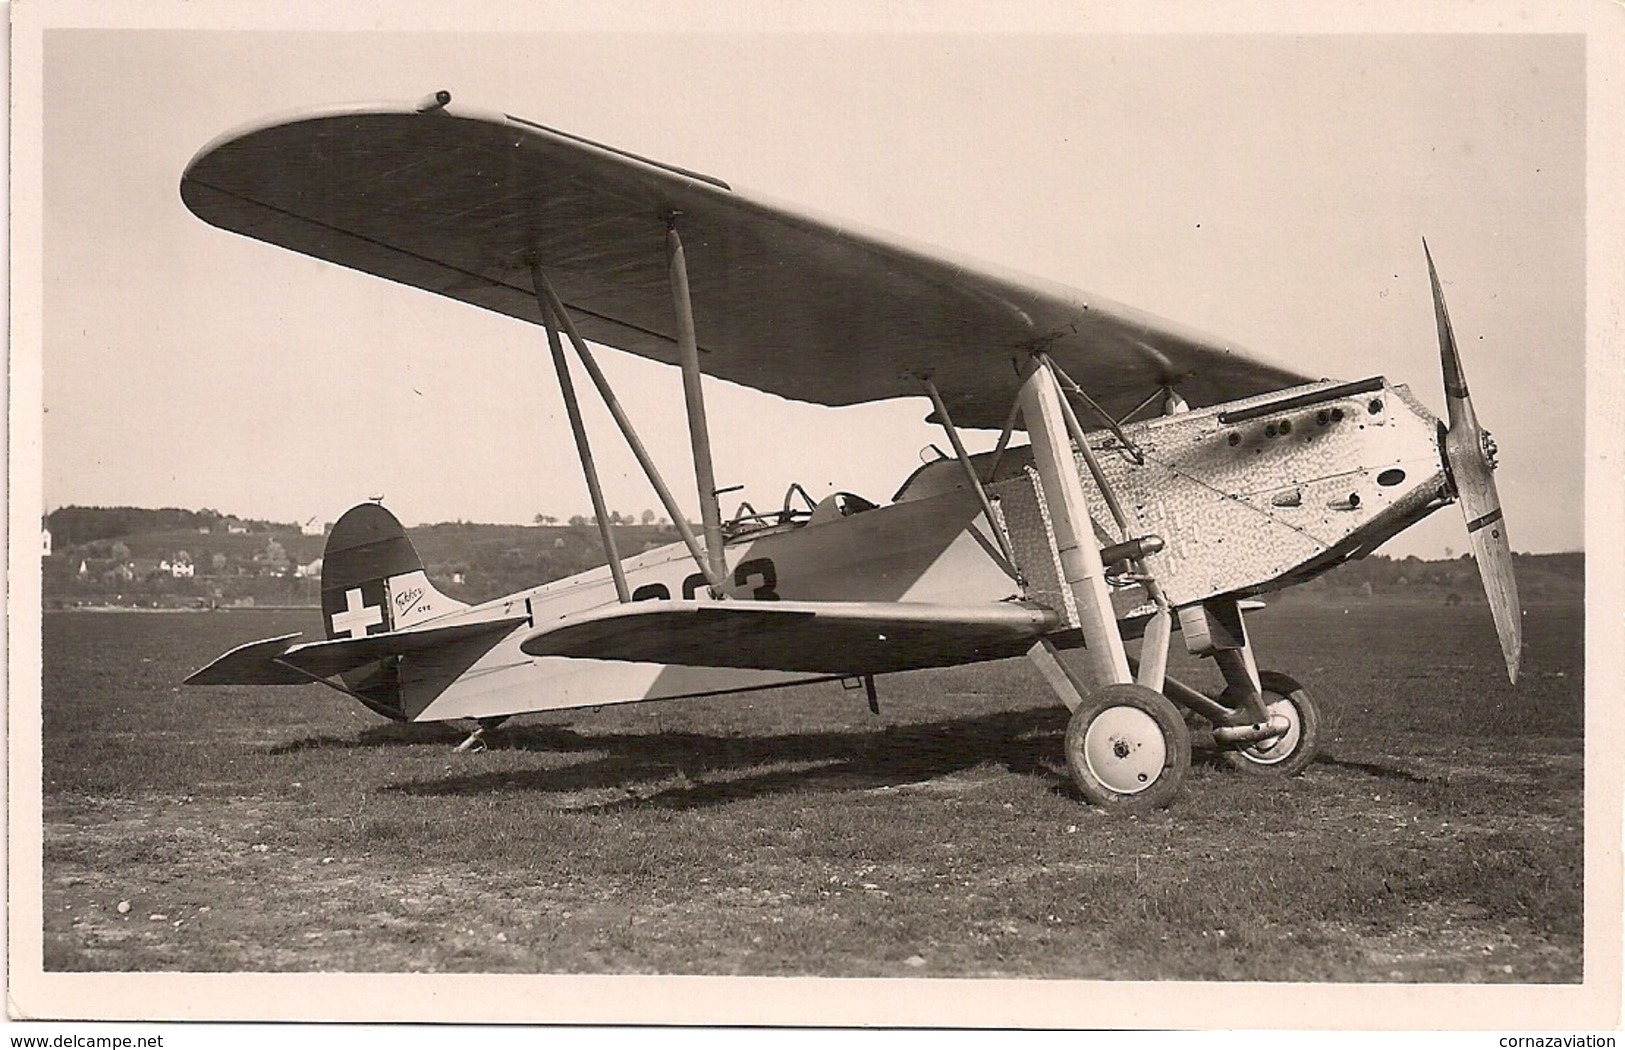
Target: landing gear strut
(1128, 744)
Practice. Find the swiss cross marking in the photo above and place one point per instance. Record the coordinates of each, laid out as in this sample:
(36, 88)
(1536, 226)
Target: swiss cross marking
(356, 617)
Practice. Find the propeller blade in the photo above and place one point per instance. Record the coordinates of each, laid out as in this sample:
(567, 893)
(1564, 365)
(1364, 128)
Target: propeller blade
(1494, 556)
(1470, 454)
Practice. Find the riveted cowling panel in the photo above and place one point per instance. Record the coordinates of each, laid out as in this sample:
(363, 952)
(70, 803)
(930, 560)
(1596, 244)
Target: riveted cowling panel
(1243, 504)
(1248, 497)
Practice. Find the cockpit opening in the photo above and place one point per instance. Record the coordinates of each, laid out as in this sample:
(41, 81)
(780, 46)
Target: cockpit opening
(797, 509)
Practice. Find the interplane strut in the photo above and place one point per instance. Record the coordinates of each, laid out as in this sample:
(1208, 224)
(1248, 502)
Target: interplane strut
(589, 469)
(548, 297)
(970, 471)
(698, 432)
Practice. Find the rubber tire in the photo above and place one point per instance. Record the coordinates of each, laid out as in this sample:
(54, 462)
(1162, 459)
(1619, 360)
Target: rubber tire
(1176, 739)
(1280, 688)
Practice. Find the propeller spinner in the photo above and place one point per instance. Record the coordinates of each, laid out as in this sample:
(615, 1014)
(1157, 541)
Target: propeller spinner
(1469, 453)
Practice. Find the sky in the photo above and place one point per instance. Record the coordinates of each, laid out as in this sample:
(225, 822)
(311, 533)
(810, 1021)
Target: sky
(1270, 188)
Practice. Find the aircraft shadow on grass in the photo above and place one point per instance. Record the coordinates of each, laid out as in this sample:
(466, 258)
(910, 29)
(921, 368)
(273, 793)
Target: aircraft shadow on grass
(716, 768)
(390, 735)
(1375, 769)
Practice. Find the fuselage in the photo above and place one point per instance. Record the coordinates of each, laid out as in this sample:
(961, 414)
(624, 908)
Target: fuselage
(1247, 497)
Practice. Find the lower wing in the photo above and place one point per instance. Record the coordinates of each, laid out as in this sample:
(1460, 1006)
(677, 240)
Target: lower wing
(835, 638)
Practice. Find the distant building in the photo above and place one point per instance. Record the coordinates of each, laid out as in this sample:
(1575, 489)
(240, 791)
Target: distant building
(314, 527)
(311, 571)
(179, 567)
(236, 528)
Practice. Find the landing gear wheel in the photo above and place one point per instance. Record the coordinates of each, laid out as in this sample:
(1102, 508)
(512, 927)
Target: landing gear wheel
(1127, 748)
(1289, 753)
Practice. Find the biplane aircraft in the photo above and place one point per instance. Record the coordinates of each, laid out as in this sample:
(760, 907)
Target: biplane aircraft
(1167, 479)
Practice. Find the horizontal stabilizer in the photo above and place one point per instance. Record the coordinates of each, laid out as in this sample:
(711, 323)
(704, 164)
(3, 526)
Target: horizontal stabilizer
(251, 664)
(344, 654)
(835, 638)
(274, 662)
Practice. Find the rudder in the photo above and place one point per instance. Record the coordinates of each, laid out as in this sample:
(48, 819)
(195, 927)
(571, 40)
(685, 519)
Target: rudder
(373, 582)
(372, 578)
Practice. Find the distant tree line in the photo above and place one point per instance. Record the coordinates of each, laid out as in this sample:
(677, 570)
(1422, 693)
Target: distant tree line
(73, 525)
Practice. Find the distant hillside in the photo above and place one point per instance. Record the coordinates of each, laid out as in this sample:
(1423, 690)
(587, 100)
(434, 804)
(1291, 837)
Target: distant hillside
(129, 555)
(71, 526)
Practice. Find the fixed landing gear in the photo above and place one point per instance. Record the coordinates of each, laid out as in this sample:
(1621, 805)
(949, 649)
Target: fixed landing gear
(1275, 735)
(1288, 753)
(1127, 748)
(1128, 744)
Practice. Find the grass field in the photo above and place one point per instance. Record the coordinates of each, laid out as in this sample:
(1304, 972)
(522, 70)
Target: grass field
(1438, 839)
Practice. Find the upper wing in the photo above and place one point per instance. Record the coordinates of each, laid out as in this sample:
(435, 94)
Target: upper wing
(455, 202)
(837, 638)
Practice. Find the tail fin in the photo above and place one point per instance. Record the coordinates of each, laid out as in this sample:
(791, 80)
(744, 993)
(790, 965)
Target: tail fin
(372, 578)
(373, 582)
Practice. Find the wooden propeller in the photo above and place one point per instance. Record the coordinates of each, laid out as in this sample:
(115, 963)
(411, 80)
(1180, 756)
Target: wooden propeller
(1469, 453)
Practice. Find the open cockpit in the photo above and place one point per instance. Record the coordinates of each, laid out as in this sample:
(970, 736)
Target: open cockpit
(797, 510)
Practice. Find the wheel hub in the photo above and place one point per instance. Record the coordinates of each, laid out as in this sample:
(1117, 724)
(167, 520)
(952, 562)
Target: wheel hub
(1278, 748)
(1125, 750)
